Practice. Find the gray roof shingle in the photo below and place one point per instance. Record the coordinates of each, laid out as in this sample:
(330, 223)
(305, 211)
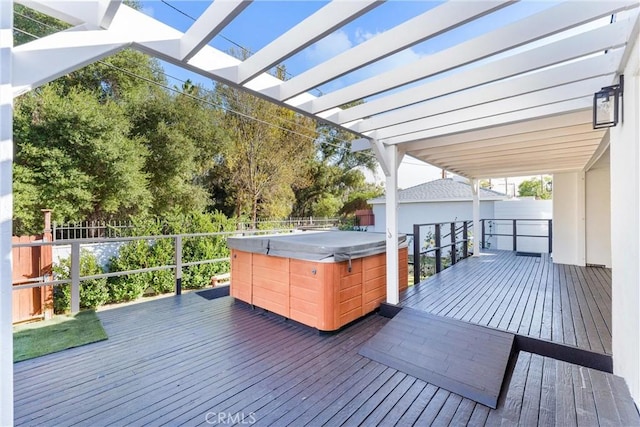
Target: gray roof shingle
(441, 189)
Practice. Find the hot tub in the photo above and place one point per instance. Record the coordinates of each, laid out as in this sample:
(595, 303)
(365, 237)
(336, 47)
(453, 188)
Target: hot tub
(321, 279)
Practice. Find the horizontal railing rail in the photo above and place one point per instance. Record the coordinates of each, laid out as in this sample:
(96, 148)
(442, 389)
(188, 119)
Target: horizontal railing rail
(117, 229)
(76, 245)
(514, 231)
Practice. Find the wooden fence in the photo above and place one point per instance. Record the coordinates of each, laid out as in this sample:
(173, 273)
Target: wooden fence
(33, 264)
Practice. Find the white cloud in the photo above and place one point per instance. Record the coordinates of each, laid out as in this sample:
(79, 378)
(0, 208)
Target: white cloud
(328, 47)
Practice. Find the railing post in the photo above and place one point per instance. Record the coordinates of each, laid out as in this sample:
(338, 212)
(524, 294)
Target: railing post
(550, 235)
(438, 250)
(483, 234)
(515, 236)
(416, 254)
(465, 238)
(453, 243)
(75, 277)
(178, 270)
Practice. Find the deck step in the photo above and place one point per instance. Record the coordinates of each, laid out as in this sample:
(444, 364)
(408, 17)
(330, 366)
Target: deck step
(463, 358)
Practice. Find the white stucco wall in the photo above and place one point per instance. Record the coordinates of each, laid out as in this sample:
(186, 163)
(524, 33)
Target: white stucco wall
(569, 218)
(625, 230)
(524, 208)
(430, 212)
(598, 212)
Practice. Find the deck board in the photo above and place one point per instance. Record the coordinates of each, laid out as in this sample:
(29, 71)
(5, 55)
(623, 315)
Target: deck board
(526, 295)
(173, 361)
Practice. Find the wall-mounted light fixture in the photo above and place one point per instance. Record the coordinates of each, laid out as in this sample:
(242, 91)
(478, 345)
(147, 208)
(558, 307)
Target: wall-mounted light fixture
(606, 105)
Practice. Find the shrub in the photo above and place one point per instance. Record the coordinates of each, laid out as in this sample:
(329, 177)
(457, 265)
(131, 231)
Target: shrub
(145, 254)
(93, 293)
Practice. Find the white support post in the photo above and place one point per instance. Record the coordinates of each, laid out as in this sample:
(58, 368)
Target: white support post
(6, 213)
(75, 277)
(391, 190)
(477, 227)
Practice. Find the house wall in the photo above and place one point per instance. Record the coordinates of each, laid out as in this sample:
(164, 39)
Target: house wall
(430, 212)
(524, 208)
(625, 230)
(569, 218)
(598, 213)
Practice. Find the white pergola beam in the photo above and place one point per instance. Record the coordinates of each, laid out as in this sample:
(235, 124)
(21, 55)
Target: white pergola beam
(509, 151)
(510, 142)
(427, 25)
(96, 14)
(317, 26)
(574, 105)
(547, 127)
(587, 43)
(546, 23)
(551, 78)
(62, 53)
(217, 16)
(570, 157)
(6, 213)
(525, 169)
(525, 102)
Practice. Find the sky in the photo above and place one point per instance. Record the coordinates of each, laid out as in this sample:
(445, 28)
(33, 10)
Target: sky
(263, 21)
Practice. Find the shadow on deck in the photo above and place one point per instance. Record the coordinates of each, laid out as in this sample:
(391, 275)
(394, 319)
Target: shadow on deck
(190, 361)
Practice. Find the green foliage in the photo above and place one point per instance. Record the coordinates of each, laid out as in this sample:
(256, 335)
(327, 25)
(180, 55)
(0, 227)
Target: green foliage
(263, 162)
(536, 187)
(93, 293)
(73, 156)
(140, 254)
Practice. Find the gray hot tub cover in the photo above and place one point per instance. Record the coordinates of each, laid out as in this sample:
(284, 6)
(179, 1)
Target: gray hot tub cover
(316, 246)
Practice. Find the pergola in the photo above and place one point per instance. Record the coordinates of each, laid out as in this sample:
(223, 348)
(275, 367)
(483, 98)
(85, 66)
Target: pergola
(514, 100)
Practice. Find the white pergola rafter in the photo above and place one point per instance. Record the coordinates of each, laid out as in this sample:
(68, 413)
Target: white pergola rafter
(431, 23)
(562, 17)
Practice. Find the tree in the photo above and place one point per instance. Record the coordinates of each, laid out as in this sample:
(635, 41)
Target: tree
(335, 172)
(73, 155)
(540, 189)
(184, 140)
(266, 155)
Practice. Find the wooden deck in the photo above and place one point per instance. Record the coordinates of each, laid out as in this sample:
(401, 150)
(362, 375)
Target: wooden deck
(525, 295)
(187, 360)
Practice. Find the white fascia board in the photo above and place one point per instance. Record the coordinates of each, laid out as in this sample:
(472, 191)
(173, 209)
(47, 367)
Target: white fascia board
(315, 27)
(416, 30)
(217, 16)
(546, 23)
(574, 105)
(573, 72)
(594, 41)
(62, 53)
(96, 13)
(523, 102)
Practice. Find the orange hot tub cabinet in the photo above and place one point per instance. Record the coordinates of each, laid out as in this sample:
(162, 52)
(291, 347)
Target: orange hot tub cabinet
(320, 294)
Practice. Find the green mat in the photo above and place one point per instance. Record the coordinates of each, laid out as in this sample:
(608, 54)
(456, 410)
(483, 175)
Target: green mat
(60, 333)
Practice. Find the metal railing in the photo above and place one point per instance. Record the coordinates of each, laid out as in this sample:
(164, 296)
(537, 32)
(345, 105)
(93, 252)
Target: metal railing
(114, 228)
(449, 239)
(513, 223)
(177, 266)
